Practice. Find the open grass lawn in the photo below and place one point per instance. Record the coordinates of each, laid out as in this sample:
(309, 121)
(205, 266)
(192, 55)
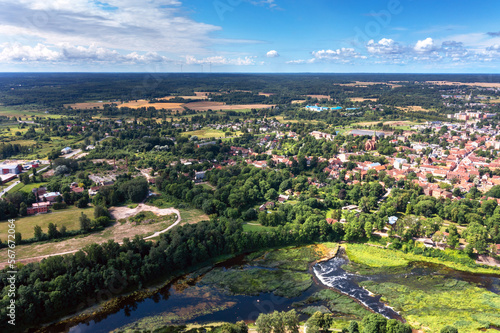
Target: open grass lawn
(10, 111)
(188, 215)
(210, 133)
(192, 215)
(27, 188)
(68, 217)
(284, 121)
(255, 227)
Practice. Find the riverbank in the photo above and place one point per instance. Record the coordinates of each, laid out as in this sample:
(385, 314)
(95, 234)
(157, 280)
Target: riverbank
(376, 257)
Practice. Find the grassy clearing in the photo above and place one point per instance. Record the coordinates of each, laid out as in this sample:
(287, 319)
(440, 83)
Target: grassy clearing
(188, 215)
(14, 112)
(378, 257)
(66, 217)
(255, 227)
(210, 133)
(432, 302)
(146, 217)
(27, 188)
(284, 121)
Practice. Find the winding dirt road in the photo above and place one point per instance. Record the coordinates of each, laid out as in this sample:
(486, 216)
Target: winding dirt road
(117, 213)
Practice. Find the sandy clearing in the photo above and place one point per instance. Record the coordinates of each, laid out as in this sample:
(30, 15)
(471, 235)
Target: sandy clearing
(299, 101)
(119, 213)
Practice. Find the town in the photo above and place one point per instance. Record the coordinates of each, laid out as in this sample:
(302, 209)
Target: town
(352, 175)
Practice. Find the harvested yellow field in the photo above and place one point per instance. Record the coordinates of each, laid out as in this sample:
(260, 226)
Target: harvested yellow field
(320, 96)
(362, 99)
(413, 108)
(87, 106)
(366, 84)
(299, 101)
(471, 84)
(204, 106)
(197, 97)
(144, 103)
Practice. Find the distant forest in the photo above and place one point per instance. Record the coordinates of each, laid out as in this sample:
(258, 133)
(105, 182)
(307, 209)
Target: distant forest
(52, 90)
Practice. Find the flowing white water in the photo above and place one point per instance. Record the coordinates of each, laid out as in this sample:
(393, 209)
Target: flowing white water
(331, 274)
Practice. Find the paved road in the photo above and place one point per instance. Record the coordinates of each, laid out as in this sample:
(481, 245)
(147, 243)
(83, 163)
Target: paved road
(73, 153)
(70, 155)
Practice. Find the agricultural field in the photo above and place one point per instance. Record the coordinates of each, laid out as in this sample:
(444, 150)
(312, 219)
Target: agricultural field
(367, 84)
(320, 96)
(206, 105)
(362, 99)
(25, 114)
(413, 108)
(282, 119)
(471, 84)
(142, 103)
(210, 133)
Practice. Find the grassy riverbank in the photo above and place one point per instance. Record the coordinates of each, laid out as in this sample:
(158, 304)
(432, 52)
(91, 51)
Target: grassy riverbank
(388, 258)
(432, 302)
(427, 302)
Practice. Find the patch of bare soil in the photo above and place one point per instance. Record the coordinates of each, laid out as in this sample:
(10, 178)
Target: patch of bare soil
(487, 260)
(119, 213)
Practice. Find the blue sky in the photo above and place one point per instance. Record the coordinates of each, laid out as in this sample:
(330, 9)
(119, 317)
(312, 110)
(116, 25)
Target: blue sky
(408, 36)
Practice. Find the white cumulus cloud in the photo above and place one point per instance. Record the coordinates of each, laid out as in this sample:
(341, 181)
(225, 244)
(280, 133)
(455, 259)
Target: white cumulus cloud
(220, 60)
(384, 46)
(65, 53)
(425, 46)
(15, 52)
(338, 55)
(272, 54)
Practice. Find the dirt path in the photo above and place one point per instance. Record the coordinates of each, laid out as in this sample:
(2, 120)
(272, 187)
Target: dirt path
(119, 213)
(487, 260)
(116, 233)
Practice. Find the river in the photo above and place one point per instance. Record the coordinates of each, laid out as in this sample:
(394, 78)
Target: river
(188, 302)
